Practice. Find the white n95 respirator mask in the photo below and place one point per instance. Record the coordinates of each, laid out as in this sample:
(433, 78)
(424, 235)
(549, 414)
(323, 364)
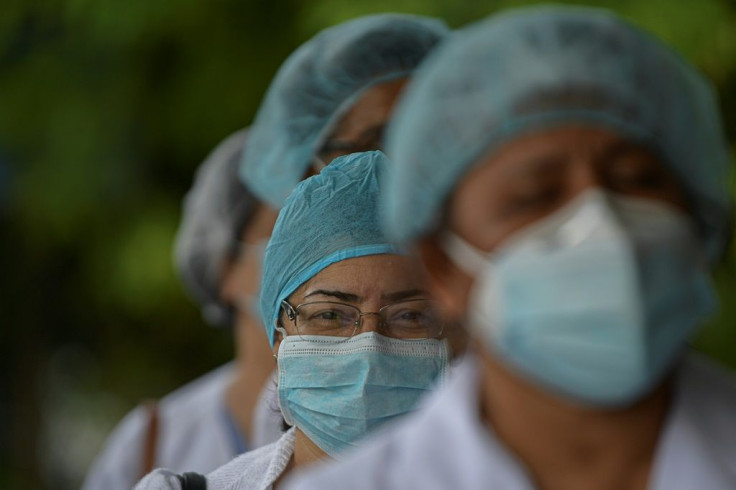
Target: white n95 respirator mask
(596, 301)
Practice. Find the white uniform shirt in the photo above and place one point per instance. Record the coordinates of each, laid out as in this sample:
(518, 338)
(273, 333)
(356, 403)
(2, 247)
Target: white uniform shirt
(254, 470)
(447, 445)
(195, 433)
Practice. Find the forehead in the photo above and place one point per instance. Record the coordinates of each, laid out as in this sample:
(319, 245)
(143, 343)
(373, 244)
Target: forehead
(371, 108)
(551, 149)
(572, 137)
(366, 276)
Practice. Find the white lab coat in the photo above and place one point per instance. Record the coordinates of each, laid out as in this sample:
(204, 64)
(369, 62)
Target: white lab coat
(254, 470)
(195, 433)
(447, 446)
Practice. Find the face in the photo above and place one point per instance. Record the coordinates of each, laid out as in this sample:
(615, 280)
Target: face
(361, 128)
(532, 177)
(368, 283)
(242, 278)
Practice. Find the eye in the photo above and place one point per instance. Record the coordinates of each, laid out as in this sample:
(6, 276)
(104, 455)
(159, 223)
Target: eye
(411, 316)
(326, 315)
(533, 198)
(408, 316)
(637, 177)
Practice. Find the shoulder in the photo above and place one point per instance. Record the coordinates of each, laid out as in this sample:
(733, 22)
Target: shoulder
(181, 415)
(198, 395)
(118, 465)
(193, 435)
(159, 480)
(708, 393)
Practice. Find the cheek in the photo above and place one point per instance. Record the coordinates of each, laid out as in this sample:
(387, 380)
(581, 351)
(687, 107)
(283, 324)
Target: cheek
(448, 284)
(463, 286)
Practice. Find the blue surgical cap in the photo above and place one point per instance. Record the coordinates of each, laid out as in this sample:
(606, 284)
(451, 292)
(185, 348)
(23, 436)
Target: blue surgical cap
(215, 211)
(318, 84)
(533, 68)
(328, 218)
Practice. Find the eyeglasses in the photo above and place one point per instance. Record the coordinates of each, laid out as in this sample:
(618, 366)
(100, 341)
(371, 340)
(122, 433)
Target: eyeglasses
(413, 319)
(369, 140)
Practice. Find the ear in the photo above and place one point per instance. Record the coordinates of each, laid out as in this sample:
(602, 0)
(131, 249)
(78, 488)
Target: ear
(448, 284)
(278, 336)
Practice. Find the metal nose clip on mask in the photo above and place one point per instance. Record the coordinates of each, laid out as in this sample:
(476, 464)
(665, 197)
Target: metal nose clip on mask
(336, 389)
(594, 302)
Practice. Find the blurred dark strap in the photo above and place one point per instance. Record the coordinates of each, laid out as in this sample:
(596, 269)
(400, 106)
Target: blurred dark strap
(151, 440)
(192, 481)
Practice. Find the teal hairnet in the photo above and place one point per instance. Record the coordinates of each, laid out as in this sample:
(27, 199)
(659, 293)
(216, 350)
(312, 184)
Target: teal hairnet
(318, 83)
(328, 218)
(215, 211)
(544, 66)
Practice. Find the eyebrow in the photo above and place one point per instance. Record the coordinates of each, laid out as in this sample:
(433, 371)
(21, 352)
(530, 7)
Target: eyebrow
(625, 147)
(334, 142)
(341, 295)
(402, 295)
(354, 298)
(535, 164)
(375, 130)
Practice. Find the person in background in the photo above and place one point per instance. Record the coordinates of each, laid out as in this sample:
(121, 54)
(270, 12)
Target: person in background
(333, 96)
(563, 176)
(358, 340)
(218, 253)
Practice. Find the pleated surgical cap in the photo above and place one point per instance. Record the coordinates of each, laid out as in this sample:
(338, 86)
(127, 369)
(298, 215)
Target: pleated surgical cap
(328, 218)
(215, 211)
(539, 67)
(318, 84)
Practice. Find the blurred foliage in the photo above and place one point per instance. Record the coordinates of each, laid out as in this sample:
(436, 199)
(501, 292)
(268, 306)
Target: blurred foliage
(107, 109)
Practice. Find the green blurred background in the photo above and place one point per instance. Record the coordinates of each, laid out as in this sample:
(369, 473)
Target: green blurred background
(106, 109)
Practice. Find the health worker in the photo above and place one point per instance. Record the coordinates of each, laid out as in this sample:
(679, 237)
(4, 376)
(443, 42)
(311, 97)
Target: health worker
(357, 339)
(206, 423)
(563, 175)
(333, 96)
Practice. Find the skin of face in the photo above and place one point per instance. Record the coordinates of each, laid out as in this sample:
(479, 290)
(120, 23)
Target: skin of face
(532, 177)
(521, 183)
(361, 127)
(369, 283)
(241, 282)
(243, 274)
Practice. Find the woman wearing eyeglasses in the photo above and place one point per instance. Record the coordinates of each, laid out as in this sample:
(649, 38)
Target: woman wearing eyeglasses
(357, 339)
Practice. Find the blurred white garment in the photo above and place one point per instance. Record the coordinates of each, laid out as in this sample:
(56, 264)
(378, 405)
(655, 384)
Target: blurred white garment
(195, 433)
(268, 424)
(254, 470)
(447, 445)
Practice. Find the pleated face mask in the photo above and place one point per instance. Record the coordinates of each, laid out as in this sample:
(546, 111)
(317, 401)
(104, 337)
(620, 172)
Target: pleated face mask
(337, 389)
(595, 302)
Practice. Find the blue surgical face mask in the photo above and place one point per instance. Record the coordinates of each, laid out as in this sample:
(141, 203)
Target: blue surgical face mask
(336, 389)
(595, 302)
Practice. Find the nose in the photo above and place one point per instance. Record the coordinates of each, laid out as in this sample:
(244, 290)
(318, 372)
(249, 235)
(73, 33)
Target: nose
(585, 175)
(370, 322)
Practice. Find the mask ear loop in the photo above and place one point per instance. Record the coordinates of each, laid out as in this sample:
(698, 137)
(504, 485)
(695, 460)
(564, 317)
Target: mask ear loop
(466, 257)
(291, 314)
(282, 331)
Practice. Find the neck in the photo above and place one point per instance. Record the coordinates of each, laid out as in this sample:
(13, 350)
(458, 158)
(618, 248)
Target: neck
(255, 363)
(580, 447)
(306, 452)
